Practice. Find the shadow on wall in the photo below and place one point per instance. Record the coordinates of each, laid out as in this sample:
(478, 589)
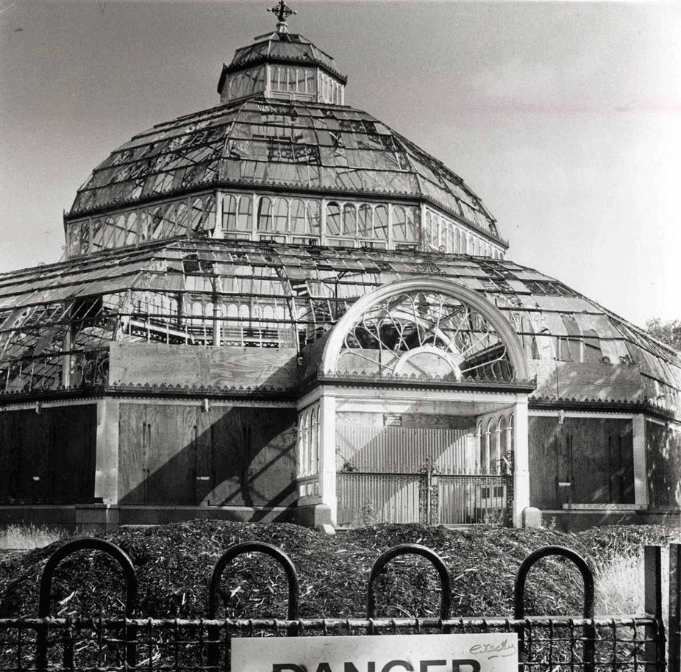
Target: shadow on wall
(223, 456)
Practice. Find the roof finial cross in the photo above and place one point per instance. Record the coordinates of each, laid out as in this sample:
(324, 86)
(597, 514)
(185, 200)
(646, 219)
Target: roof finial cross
(282, 11)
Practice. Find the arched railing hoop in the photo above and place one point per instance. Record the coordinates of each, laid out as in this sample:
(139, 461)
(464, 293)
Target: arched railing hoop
(412, 549)
(83, 545)
(257, 547)
(546, 551)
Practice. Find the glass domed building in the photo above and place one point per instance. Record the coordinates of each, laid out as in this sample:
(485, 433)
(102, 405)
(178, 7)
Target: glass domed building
(281, 309)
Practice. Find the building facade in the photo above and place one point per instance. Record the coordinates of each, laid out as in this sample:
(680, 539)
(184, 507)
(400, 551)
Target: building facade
(281, 309)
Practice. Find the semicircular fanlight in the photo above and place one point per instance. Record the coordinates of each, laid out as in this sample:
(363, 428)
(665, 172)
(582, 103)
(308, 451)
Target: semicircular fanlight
(424, 334)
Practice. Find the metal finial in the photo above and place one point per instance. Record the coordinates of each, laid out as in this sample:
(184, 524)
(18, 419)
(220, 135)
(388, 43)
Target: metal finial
(282, 11)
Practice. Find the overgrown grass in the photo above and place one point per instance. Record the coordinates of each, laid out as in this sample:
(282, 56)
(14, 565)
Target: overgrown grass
(28, 537)
(619, 585)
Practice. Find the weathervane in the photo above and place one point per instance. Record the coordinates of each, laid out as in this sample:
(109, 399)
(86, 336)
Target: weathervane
(282, 11)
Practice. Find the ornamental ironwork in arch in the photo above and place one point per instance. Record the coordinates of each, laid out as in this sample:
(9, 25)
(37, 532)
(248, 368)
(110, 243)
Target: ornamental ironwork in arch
(425, 333)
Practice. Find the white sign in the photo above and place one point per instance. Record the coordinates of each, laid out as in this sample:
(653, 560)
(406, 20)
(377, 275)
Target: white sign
(488, 652)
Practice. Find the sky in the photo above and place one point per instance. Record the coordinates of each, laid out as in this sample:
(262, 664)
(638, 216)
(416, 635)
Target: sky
(564, 117)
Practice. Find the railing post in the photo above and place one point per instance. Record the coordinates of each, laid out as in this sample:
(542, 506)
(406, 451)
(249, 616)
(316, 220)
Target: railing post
(675, 608)
(652, 604)
(412, 549)
(214, 599)
(67, 549)
(589, 631)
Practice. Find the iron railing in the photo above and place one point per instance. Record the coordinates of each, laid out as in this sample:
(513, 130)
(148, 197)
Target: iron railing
(546, 644)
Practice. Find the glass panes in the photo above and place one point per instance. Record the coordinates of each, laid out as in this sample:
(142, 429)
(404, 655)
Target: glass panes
(333, 219)
(314, 219)
(264, 214)
(280, 215)
(365, 221)
(196, 214)
(170, 227)
(156, 224)
(247, 83)
(310, 80)
(229, 210)
(297, 209)
(381, 222)
(245, 213)
(399, 224)
(85, 238)
(73, 244)
(131, 229)
(119, 231)
(349, 220)
(97, 235)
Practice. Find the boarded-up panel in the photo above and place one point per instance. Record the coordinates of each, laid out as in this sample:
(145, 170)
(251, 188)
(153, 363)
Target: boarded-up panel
(254, 457)
(663, 451)
(48, 457)
(186, 365)
(226, 456)
(171, 454)
(593, 456)
(132, 444)
(73, 453)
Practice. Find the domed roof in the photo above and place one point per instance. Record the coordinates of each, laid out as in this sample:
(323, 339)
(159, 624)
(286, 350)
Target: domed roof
(293, 146)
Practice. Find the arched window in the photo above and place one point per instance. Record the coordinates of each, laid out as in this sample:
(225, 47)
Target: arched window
(365, 221)
(496, 449)
(381, 222)
(316, 441)
(447, 235)
(297, 210)
(303, 443)
(333, 219)
(349, 220)
(74, 240)
(510, 446)
(280, 212)
(457, 240)
(264, 214)
(314, 219)
(399, 224)
(130, 229)
(183, 217)
(118, 237)
(245, 215)
(197, 214)
(96, 235)
(229, 209)
(171, 227)
(503, 446)
(487, 443)
(413, 225)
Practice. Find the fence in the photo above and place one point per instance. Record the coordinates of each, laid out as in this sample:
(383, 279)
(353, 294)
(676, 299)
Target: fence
(545, 644)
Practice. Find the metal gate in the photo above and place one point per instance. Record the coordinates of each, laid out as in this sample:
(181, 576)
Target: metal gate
(430, 498)
(545, 644)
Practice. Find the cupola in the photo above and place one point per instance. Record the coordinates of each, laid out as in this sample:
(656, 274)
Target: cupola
(282, 65)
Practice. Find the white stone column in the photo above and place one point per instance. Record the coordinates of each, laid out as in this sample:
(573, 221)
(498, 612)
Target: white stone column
(327, 454)
(640, 462)
(521, 461)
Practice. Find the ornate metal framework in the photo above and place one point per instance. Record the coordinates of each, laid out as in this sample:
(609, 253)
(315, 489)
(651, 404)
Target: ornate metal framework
(425, 333)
